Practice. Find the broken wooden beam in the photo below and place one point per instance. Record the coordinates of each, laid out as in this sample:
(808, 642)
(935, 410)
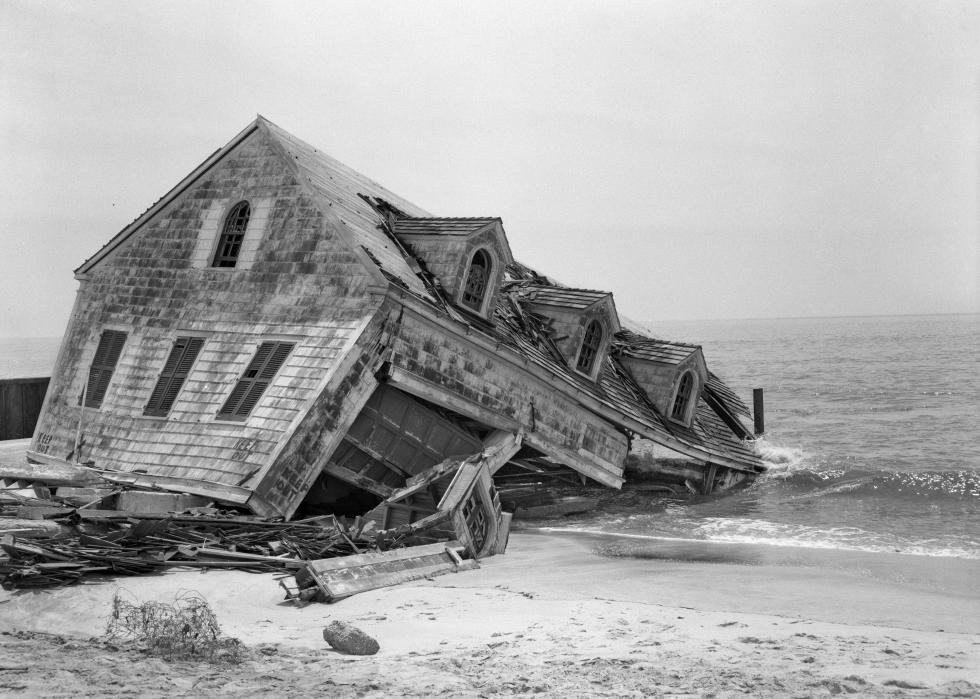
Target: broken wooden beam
(34, 528)
(49, 474)
(337, 578)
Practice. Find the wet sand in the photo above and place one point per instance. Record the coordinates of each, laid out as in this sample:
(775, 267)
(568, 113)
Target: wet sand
(550, 617)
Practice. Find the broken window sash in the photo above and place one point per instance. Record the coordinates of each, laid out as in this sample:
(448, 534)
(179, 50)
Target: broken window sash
(103, 366)
(477, 279)
(590, 347)
(678, 410)
(172, 377)
(232, 235)
(476, 522)
(257, 377)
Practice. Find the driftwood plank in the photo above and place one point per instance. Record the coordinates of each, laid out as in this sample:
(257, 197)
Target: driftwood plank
(49, 474)
(326, 565)
(239, 556)
(426, 567)
(337, 578)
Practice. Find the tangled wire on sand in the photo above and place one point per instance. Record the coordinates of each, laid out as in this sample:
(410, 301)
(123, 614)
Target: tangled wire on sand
(185, 629)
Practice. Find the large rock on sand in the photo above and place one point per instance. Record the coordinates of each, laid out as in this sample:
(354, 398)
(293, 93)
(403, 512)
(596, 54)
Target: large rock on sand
(349, 639)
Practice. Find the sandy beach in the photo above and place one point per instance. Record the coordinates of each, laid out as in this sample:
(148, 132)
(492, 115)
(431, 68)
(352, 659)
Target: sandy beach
(551, 617)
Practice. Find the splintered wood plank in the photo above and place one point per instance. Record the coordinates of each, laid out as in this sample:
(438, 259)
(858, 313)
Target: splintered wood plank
(325, 565)
(49, 473)
(349, 575)
(499, 447)
(376, 579)
(369, 484)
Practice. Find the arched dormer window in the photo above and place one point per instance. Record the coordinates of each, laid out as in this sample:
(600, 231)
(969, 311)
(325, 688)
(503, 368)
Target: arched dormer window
(590, 348)
(683, 397)
(477, 281)
(230, 242)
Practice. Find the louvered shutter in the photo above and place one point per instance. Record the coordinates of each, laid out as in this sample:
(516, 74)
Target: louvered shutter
(103, 364)
(258, 375)
(174, 373)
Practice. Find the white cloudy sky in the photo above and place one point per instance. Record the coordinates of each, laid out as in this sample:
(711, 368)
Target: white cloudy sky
(732, 159)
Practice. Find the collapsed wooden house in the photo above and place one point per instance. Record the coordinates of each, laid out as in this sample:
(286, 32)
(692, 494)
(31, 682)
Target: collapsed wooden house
(279, 329)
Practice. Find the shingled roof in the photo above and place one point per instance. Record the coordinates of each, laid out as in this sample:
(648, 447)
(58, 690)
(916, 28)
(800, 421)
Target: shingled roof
(441, 226)
(563, 297)
(631, 344)
(727, 395)
(345, 191)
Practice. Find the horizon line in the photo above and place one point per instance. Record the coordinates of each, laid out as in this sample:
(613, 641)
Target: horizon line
(815, 317)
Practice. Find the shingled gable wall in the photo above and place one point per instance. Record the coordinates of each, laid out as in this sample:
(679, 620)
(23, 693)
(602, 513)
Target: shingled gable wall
(305, 285)
(658, 379)
(568, 325)
(447, 257)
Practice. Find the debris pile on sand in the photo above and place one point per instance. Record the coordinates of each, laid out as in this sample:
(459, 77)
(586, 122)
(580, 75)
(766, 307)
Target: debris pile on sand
(185, 629)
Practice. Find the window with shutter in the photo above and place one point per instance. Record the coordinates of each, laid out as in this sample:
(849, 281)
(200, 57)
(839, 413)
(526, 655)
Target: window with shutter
(174, 373)
(257, 377)
(232, 235)
(103, 364)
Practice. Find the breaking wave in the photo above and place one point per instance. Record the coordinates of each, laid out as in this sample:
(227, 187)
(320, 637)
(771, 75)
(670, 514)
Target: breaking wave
(780, 460)
(756, 531)
(851, 483)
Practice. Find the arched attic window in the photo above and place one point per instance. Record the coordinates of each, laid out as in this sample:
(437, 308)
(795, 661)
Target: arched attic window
(230, 242)
(477, 281)
(682, 399)
(590, 348)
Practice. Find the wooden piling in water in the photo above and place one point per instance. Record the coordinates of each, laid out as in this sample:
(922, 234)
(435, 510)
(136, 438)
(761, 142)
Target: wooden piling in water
(758, 412)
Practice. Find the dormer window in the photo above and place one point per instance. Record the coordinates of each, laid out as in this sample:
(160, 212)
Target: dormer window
(682, 399)
(232, 235)
(590, 348)
(477, 281)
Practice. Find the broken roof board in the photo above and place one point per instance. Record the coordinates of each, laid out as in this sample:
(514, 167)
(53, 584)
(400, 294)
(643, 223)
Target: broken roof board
(728, 396)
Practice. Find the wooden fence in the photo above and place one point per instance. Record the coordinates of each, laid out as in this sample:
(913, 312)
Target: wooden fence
(20, 405)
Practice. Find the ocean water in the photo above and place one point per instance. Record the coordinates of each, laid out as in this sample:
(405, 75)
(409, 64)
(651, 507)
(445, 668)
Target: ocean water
(27, 357)
(873, 441)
